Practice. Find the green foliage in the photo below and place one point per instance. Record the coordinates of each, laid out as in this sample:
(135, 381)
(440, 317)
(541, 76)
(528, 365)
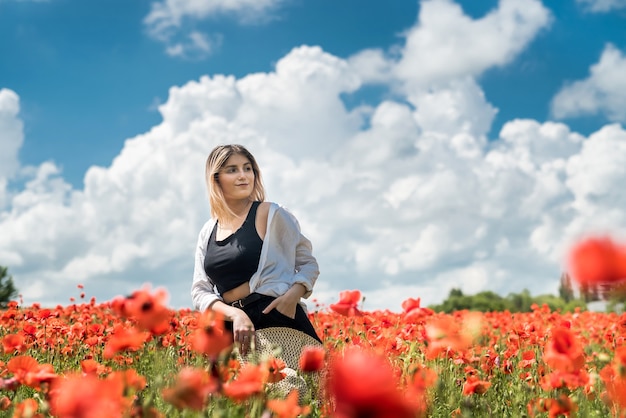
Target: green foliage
(8, 291)
(488, 301)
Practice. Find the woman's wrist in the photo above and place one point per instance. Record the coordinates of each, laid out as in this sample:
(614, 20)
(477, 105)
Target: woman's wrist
(298, 289)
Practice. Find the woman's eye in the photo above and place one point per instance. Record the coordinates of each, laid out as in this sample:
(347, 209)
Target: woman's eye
(248, 168)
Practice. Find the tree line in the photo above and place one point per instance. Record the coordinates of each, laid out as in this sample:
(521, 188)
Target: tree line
(488, 301)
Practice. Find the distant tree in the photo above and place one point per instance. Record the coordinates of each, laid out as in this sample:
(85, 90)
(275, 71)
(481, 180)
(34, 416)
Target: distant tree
(566, 291)
(484, 302)
(8, 291)
(489, 302)
(520, 302)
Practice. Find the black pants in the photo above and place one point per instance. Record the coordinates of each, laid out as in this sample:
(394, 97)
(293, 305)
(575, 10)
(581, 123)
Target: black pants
(274, 318)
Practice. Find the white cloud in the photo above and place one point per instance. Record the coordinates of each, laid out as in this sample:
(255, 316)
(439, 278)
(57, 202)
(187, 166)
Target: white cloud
(406, 198)
(601, 6)
(11, 139)
(604, 91)
(12, 133)
(171, 20)
(447, 44)
(197, 45)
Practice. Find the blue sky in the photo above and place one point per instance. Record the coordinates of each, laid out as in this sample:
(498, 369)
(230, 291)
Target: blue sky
(102, 87)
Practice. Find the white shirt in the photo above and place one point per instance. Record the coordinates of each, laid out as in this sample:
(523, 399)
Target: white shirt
(286, 259)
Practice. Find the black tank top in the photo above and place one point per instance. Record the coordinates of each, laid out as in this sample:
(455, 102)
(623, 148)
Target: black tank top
(233, 261)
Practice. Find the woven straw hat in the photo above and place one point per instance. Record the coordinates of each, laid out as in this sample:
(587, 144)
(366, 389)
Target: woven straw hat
(286, 344)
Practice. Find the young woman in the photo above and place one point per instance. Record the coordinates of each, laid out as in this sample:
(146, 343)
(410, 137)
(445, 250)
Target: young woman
(252, 263)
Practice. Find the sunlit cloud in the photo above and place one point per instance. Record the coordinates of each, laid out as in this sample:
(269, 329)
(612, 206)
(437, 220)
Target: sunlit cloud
(405, 197)
(603, 92)
(172, 22)
(602, 6)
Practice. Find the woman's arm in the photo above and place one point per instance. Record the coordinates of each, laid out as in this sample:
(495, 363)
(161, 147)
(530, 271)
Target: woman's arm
(297, 250)
(243, 328)
(307, 269)
(203, 293)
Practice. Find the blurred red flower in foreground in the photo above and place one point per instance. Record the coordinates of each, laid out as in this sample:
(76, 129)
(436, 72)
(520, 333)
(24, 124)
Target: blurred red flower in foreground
(250, 381)
(27, 409)
(149, 310)
(289, 408)
(29, 372)
(14, 343)
(348, 303)
(312, 359)
(597, 260)
(87, 396)
(124, 339)
(364, 384)
(614, 377)
(446, 334)
(191, 390)
(211, 338)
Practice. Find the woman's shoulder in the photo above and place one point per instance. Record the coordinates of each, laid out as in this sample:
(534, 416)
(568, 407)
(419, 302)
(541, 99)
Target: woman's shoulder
(207, 227)
(279, 212)
(274, 208)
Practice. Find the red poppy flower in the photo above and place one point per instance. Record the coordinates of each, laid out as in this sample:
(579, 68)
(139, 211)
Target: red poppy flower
(614, 377)
(27, 409)
(77, 396)
(90, 366)
(274, 370)
(149, 310)
(528, 359)
(413, 311)
(14, 343)
(348, 303)
(563, 351)
(288, 408)
(250, 381)
(312, 359)
(423, 379)
(211, 338)
(562, 406)
(473, 384)
(191, 389)
(444, 335)
(364, 384)
(597, 261)
(124, 339)
(5, 403)
(29, 372)
(129, 379)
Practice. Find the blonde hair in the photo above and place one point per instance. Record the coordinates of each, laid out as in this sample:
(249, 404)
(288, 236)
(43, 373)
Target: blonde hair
(214, 163)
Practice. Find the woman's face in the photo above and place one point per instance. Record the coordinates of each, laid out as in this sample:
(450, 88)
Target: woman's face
(236, 178)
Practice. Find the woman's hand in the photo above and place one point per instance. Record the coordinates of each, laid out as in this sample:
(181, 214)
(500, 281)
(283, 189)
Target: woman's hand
(286, 304)
(243, 330)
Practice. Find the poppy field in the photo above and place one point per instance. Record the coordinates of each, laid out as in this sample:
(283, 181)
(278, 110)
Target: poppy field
(134, 357)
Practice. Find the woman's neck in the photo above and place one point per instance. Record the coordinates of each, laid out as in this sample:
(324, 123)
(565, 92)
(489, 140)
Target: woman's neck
(239, 208)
